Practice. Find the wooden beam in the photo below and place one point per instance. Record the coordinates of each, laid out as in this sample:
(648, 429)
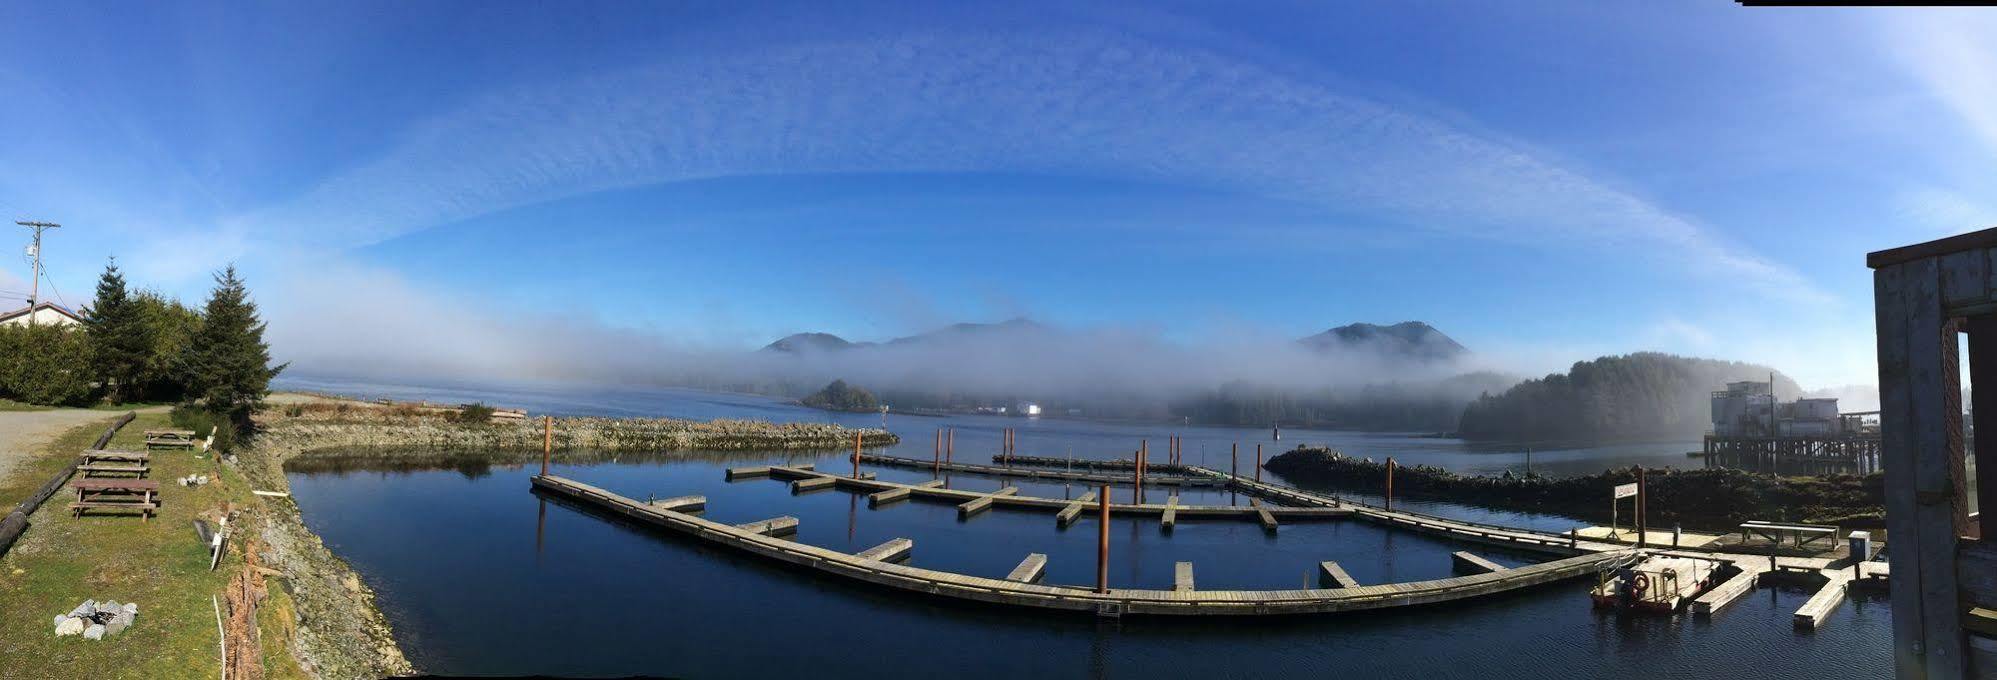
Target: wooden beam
(1030, 569)
(1916, 359)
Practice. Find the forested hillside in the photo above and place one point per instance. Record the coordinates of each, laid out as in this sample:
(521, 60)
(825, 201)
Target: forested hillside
(1635, 396)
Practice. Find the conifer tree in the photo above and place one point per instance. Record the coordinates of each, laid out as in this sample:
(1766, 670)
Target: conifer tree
(227, 363)
(119, 342)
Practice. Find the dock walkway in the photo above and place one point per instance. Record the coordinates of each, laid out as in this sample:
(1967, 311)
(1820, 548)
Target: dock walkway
(869, 567)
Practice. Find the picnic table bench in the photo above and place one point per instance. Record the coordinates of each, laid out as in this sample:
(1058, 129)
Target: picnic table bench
(100, 493)
(114, 456)
(103, 469)
(170, 439)
(1804, 534)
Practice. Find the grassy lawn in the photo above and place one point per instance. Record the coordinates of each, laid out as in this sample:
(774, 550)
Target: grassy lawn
(61, 561)
(11, 405)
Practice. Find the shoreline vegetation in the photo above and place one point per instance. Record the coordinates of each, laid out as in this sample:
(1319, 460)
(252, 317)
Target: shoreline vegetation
(341, 632)
(1716, 499)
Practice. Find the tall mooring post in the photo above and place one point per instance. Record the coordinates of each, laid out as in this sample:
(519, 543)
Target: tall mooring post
(547, 442)
(950, 447)
(938, 465)
(1102, 540)
(1390, 483)
(1258, 462)
(1642, 522)
(856, 455)
(1234, 460)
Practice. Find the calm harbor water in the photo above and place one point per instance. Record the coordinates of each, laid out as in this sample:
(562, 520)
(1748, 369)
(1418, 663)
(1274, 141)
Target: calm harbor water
(481, 576)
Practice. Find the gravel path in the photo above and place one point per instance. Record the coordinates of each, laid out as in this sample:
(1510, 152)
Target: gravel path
(23, 433)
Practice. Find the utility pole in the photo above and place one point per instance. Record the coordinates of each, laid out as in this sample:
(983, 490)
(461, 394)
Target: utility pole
(35, 289)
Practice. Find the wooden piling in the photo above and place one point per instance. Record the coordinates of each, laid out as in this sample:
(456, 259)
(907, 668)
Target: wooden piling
(1102, 542)
(1642, 525)
(939, 451)
(1258, 462)
(547, 442)
(1234, 460)
(1390, 483)
(856, 455)
(950, 447)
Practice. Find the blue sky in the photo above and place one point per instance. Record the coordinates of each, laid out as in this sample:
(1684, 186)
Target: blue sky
(1546, 182)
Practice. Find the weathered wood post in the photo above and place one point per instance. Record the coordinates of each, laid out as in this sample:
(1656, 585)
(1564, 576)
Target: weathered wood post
(950, 447)
(938, 452)
(1234, 461)
(1390, 483)
(1102, 540)
(856, 455)
(1642, 523)
(547, 442)
(1258, 462)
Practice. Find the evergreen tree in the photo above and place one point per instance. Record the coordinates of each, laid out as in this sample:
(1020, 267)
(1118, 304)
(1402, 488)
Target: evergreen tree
(227, 363)
(119, 339)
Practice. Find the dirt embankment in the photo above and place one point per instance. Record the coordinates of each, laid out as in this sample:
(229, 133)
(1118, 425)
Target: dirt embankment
(1707, 499)
(340, 632)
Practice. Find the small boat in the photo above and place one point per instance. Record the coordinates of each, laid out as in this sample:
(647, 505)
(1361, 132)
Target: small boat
(1654, 583)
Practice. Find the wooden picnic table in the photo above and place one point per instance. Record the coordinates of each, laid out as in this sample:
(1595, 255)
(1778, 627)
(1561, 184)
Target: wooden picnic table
(1774, 532)
(182, 439)
(116, 494)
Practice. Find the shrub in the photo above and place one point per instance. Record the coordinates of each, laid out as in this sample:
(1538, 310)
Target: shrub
(474, 414)
(47, 365)
(203, 421)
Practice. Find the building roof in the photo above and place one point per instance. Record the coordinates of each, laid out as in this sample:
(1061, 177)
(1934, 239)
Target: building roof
(59, 309)
(1975, 240)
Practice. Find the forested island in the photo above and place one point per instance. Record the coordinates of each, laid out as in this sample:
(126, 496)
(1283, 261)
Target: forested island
(840, 396)
(1635, 396)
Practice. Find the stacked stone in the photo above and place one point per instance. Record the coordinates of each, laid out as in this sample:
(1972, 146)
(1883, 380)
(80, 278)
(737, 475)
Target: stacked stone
(94, 620)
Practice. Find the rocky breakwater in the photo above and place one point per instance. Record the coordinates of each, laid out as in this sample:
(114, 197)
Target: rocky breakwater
(1716, 499)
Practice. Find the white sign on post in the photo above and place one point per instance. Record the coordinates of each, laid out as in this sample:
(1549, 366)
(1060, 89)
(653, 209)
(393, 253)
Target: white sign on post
(1625, 490)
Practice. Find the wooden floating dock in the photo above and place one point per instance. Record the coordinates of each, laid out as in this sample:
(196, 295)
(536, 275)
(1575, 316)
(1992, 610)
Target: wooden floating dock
(1330, 575)
(1182, 577)
(983, 503)
(1068, 514)
(1471, 563)
(872, 566)
(1170, 518)
(896, 495)
(820, 483)
(868, 484)
(681, 503)
(1262, 515)
(1031, 472)
(758, 471)
(1727, 592)
(1827, 598)
(892, 551)
(775, 526)
(1029, 570)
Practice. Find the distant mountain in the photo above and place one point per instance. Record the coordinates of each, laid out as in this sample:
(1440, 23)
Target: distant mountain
(1410, 339)
(963, 331)
(810, 342)
(827, 342)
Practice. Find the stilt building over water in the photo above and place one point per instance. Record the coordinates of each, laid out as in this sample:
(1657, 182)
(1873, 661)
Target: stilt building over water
(1752, 430)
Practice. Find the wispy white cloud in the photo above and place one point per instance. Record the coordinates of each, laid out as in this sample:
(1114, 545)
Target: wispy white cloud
(1059, 101)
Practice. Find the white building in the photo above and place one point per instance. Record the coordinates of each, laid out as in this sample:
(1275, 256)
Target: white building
(44, 314)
